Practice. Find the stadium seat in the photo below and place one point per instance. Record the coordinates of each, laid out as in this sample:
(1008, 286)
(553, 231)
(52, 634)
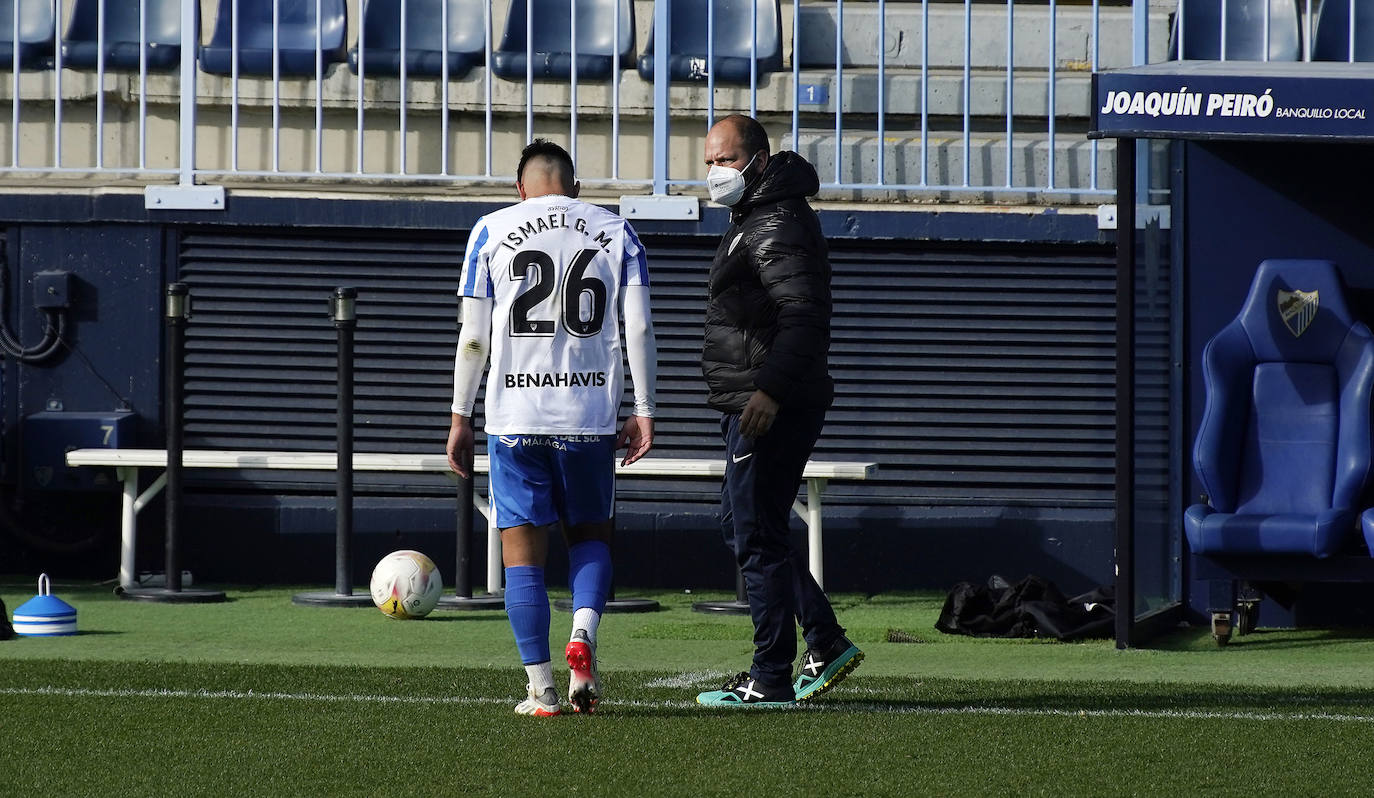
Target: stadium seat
(424, 50)
(81, 45)
(1331, 31)
(1283, 450)
(1202, 30)
(732, 25)
(295, 32)
(551, 44)
(35, 38)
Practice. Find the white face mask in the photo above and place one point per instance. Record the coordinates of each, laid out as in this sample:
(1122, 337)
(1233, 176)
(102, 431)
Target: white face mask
(726, 183)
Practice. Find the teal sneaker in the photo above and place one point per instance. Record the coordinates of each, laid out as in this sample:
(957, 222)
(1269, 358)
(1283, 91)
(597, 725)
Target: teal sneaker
(822, 670)
(744, 690)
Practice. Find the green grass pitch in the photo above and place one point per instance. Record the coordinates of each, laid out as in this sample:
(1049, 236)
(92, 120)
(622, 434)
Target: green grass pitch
(260, 697)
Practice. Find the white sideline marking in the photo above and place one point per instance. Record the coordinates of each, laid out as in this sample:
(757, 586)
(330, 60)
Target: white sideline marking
(861, 708)
(689, 679)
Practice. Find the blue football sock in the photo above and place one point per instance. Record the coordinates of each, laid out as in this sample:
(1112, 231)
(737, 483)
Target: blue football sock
(527, 606)
(589, 574)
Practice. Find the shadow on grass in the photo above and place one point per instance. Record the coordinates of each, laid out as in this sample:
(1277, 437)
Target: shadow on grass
(955, 696)
(449, 616)
(1127, 696)
(1288, 639)
(1200, 639)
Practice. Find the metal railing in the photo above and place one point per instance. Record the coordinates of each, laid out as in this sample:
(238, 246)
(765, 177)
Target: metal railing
(999, 111)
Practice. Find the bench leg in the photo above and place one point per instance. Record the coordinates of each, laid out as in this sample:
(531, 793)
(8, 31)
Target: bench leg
(815, 550)
(495, 570)
(128, 528)
(133, 504)
(811, 514)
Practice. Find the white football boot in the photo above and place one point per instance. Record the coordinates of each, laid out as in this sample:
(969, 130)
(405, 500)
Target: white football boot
(545, 705)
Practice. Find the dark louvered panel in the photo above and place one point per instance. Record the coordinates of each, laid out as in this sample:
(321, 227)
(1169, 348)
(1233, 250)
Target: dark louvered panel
(976, 376)
(970, 377)
(261, 347)
(983, 375)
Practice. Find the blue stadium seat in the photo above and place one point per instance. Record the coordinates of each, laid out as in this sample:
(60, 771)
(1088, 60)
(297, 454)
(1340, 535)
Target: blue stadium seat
(424, 51)
(296, 37)
(552, 39)
(1283, 451)
(732, 26)
(80, 47)
(1331, 31)
(35, 38)
(1202, 30)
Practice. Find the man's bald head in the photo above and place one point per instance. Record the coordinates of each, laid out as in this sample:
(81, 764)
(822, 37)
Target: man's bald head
(545, 168)
(747, 130)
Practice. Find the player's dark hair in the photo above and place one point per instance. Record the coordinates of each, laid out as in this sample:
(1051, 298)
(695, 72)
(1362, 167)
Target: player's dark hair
(543, 148)
(752, 134)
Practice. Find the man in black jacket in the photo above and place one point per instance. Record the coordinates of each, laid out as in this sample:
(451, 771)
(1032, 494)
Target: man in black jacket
(765, 362)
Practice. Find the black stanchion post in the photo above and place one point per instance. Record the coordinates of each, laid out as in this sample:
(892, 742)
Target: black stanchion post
(462, 574)
(178, 310)
(345, 320)
(343, 312)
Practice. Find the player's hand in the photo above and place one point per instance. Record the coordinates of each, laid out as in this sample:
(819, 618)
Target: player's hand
(460, 444)
(758, 415)
(636, 437)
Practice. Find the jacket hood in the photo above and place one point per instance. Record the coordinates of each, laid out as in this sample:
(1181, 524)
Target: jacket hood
(787, 175)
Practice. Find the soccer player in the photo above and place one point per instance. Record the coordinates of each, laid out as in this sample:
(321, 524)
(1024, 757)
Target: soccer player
(543, 283)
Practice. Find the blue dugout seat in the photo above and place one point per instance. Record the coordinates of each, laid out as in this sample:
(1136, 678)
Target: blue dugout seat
(1331, 31)
(1283, 451)
(732, 26)
(295, 33)
(81, 45)
(36, 34)
(1201, 24)
(551, 42)
(424, 29)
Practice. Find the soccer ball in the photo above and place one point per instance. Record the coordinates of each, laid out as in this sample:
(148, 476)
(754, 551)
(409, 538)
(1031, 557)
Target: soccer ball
(406, 584)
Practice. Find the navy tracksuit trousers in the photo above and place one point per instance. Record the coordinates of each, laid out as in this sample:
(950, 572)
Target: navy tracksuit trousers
(761, 480)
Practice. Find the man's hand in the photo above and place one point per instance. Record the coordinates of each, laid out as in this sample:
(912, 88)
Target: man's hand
(758, 415)
(460, 443)
(637, 437)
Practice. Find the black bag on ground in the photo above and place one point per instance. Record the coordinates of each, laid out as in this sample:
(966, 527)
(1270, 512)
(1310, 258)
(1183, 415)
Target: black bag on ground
(1033, 607)
(6, 631)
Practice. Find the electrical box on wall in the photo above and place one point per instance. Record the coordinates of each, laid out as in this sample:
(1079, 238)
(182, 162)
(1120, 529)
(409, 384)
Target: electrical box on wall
(48, 436)
(52, 290)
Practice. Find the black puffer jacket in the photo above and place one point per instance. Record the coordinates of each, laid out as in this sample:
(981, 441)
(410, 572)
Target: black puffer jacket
(768, 315)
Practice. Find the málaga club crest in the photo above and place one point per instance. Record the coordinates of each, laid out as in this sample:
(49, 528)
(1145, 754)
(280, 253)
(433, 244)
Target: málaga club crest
(1297, 308)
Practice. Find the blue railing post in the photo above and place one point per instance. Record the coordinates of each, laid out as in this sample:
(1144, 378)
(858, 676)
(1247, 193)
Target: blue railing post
(1140, 54)
(662, 43)
(189, 43)
(186, 195)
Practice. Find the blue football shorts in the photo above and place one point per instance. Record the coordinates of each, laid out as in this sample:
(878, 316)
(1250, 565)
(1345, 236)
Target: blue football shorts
(539, 479)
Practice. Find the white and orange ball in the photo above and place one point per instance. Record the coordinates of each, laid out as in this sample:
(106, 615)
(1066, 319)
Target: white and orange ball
(406, 584)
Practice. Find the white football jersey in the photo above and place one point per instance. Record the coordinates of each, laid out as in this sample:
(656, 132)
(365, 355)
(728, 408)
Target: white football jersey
(554, 268)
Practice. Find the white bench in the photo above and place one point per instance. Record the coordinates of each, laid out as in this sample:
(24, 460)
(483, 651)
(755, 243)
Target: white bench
(128, 462)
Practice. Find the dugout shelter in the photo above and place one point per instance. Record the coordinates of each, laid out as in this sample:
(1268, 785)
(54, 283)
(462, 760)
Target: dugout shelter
(1269, 161)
